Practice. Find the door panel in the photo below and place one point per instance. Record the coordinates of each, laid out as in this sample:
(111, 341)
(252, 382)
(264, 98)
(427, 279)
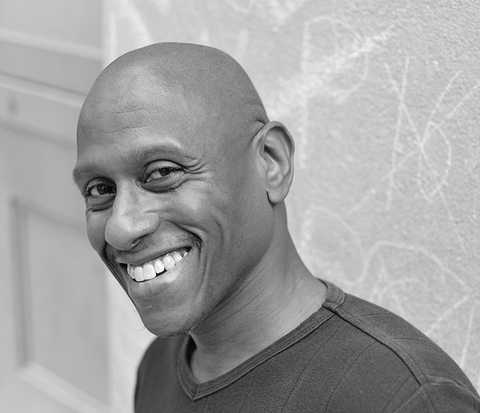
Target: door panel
(54, 347)
(55, 303)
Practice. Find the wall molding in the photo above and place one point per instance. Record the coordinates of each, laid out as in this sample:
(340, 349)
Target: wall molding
(61, 65)
(22, 131)
(35, 374)
(21, 287)
(17, 84)
(19, 211)
(50, 45)
(39, 111)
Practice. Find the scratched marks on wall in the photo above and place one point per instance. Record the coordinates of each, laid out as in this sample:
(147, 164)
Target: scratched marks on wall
(334, 63)
(408, 278)
(390, 269)
(273, 12)
(423, 151)
(338, 61)
(428, 149)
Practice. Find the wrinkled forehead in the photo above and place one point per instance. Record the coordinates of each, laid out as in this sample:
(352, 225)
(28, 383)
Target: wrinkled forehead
(143, 106)
(115, 138)
(128, 94)
(196, 109)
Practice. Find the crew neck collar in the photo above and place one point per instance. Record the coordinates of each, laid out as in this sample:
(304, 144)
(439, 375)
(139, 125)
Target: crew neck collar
(195, 390)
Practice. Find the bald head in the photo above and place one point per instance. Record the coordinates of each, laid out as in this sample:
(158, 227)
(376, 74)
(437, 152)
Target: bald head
(205, 82)
(175, 153)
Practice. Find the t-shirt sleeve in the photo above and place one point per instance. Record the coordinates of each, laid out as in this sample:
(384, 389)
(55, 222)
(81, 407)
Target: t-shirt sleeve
(441, 397)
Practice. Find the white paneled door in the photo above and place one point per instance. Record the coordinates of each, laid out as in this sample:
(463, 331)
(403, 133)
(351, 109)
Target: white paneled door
(53, 298)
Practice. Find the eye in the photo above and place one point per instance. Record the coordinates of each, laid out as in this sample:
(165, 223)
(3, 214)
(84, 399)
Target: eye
(98, 189)
(160, 171)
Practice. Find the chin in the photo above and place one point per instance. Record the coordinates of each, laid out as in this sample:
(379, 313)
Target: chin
(171, 302)
(167, 325)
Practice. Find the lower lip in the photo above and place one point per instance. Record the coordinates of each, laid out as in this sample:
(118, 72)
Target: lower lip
(162, 282)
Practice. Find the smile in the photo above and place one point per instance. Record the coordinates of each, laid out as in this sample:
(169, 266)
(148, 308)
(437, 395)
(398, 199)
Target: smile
(158, 266)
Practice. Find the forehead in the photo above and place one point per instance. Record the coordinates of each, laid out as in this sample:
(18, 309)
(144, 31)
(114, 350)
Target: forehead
(132, 106)
(113, 133)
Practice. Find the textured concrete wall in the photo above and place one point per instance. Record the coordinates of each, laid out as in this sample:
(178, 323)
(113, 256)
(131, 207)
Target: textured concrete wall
(383, 99)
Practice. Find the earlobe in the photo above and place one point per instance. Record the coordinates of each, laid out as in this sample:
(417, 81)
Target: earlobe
(276, 148)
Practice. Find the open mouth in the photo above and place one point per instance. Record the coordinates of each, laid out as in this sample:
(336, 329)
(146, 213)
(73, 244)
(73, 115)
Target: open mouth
(158, 266)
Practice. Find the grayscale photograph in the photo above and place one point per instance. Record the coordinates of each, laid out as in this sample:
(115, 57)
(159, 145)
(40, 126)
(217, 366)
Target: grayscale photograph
(252, 206)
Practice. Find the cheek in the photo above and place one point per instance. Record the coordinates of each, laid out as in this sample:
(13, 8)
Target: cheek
(96, 230)
(253, 217)
(207, 210)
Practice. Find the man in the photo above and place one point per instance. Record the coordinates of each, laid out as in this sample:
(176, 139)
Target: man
(184, 179)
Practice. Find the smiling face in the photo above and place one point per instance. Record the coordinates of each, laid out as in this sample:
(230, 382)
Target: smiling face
(175, 203)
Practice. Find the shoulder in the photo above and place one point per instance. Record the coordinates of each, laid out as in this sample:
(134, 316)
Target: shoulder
(399, 339)
(394, 362)
(368, 359)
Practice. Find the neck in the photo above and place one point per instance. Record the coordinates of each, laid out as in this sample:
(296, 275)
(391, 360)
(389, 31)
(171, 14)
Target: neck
(275, 298)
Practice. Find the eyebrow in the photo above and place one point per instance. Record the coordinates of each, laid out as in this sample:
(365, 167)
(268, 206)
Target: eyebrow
(84, 169)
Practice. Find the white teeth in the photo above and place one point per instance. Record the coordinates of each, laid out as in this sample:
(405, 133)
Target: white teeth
(159, 267)
(138, 273)
(168, 261)
(148, 271)
(151, 269)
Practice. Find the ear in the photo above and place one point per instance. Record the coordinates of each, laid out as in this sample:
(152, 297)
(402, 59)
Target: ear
(275, 148)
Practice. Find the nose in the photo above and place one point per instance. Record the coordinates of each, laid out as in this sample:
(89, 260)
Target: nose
(130, 220)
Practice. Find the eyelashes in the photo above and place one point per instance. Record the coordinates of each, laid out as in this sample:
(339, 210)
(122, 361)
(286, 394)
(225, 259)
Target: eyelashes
(163, 172)
(159, 176)
(99, 189)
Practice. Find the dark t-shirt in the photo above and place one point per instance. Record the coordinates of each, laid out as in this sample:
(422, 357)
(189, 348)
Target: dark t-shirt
(350, 356)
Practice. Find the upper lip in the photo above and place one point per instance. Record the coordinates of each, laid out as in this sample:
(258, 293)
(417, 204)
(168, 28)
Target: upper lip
(139, 259)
